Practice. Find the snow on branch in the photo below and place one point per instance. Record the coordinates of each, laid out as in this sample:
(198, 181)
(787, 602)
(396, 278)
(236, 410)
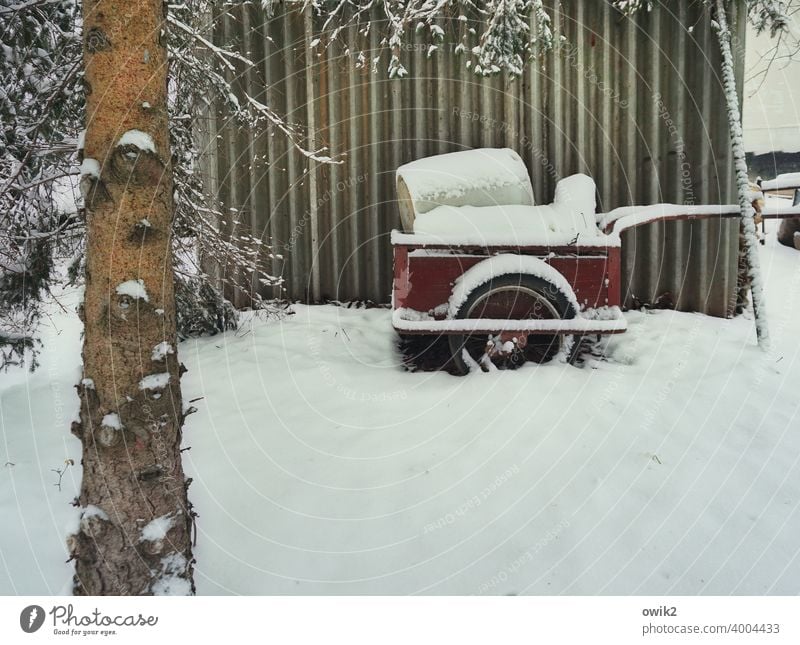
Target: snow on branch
(157, 529)
(40, 106)
(768, 15)
(133, 289)
(203, 65)
(138, 139)
(500, 35)
(764, 15)
(506, 42)
(90, 168)
(632, 6)
(154, 381)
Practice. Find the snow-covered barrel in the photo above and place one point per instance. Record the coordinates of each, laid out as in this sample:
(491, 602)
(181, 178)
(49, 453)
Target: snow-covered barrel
(481, 177)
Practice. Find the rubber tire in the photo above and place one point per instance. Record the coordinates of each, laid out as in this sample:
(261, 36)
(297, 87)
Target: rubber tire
(547, 290)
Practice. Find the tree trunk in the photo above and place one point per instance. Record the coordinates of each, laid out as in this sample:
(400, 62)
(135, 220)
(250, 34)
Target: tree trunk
(135, 528)
(742, 182)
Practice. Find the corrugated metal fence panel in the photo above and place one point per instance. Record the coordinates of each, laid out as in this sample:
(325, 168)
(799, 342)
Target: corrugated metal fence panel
(636, 104)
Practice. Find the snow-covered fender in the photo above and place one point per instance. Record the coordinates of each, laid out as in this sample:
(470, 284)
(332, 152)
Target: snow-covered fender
(506, 264)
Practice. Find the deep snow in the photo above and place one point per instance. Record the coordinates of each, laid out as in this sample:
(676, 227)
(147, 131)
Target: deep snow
(321, 467)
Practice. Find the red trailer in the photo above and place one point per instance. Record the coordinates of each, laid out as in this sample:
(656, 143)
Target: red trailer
(505, 280)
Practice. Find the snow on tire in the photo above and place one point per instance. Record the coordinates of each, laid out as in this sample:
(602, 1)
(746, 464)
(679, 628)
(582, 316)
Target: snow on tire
(511, 296)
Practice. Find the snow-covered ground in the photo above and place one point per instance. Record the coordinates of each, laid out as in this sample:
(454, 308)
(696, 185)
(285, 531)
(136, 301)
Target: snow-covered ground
(36, 410)
(320, 466)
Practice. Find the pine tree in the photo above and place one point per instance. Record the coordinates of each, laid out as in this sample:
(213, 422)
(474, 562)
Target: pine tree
(506, 42)
(135, 528)
(39, 114)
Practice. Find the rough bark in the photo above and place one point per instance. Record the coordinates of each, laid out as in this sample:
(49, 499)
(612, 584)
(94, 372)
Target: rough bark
(750, 236)
(132, 471)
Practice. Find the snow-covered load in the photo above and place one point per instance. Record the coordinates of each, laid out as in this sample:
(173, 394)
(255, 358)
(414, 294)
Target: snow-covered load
(481, 177)
(485, 196)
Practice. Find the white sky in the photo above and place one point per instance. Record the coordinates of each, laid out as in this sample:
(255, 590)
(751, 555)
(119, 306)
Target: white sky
(771, 97)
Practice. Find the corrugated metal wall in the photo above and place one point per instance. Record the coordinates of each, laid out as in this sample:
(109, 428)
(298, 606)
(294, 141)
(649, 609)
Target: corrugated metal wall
(593, 107)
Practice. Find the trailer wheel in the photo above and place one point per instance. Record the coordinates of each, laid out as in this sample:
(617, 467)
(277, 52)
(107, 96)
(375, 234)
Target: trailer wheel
(511, 297)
